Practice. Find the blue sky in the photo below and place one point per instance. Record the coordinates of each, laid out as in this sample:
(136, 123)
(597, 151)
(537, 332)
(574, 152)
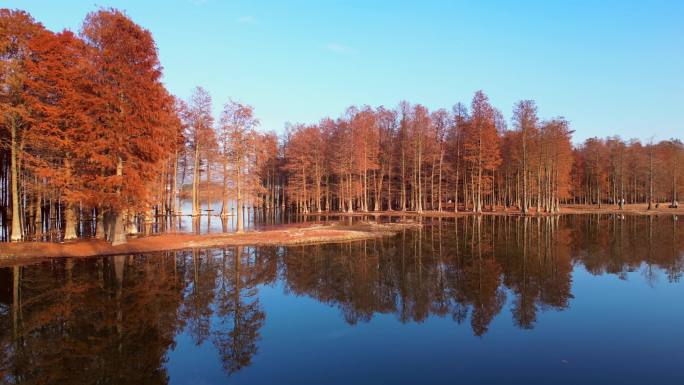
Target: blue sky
(610, 67)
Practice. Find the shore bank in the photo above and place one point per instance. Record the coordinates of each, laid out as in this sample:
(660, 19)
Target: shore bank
(275, 236)
(630, 209)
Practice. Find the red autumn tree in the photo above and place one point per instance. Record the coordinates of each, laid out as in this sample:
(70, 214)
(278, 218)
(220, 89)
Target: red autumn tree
(238, 140)
(60, 92)
(16, 30)
(481, 146)
(130, 116)
(198, 122)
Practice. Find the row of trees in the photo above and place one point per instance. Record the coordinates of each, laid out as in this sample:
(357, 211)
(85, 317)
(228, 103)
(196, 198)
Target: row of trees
(88, 129)
(614, 171)
(91, 143)
(468, 159)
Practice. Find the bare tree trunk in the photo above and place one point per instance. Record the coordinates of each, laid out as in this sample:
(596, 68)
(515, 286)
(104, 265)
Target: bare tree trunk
(349, 196)
(38, 217)
(650, 177)
(674, 180)
(70, 223)
(439, 182)
(318, 189)
(224, 206)
(208, 196)
(117, 230)
(419, 198)
(403, 179)
(478, 200)
(195, 183)
(99, 224)
(389, 184)
(238, 201)
(305, 195)
(174, 187)
(16, 233)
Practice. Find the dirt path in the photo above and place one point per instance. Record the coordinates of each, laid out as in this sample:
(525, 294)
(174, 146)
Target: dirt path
(279, 235)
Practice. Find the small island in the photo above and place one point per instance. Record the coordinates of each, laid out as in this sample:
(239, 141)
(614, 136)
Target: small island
(275, 236)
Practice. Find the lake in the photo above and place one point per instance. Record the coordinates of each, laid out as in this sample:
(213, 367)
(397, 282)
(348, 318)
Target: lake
(584, 299)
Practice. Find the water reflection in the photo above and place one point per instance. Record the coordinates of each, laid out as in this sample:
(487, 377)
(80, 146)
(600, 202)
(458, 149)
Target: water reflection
(115, 320)
(456, 268)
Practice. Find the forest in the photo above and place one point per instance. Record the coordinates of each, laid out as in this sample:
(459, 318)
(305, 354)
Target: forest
(93, 144)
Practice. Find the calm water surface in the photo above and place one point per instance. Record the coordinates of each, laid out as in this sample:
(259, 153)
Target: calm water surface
(491, 300)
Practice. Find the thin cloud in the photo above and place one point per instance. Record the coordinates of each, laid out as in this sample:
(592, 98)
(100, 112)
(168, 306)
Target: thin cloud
(246, 20)
(341, 49)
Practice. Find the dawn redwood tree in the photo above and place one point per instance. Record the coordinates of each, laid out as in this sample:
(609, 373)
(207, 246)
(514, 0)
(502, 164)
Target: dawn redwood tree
(305, 153)
(650, 148)
(459, 126)
(481, 146)
(441, 122)
(299, 163)
(344, 160)
(636, 170)
(595, 154)
(267, 163)
(16, 30)
(328, 127)
(238, 140)
(672, 153)
(200, 135)
(616, 170)
(130, 134)
(525, 122)
(387, 131)
(557, 165)
(60, 92)
(403, 142)
(420, 129)
(365, 148)
(177, 144)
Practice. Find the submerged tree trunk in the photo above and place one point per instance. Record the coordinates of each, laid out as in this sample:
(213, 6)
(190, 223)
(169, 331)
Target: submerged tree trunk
(195, 183)
(238, 202)
(174, 186)
(224, 206)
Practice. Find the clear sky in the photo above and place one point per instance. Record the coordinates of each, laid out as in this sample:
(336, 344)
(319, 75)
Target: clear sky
(610, 67)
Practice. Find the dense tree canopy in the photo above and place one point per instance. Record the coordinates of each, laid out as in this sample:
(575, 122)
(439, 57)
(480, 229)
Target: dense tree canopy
(92, 144)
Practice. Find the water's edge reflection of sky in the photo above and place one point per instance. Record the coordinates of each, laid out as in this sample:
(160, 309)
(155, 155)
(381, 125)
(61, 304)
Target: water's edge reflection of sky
(575, 299)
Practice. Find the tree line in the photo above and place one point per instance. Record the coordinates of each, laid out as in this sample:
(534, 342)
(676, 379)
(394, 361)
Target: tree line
(93, 144)
(468, 159)
(88, 129)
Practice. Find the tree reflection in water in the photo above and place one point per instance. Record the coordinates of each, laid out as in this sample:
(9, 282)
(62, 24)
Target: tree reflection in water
(114, 320)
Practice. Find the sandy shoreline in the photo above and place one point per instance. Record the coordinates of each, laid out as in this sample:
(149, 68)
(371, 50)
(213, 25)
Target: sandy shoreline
(275, 236)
